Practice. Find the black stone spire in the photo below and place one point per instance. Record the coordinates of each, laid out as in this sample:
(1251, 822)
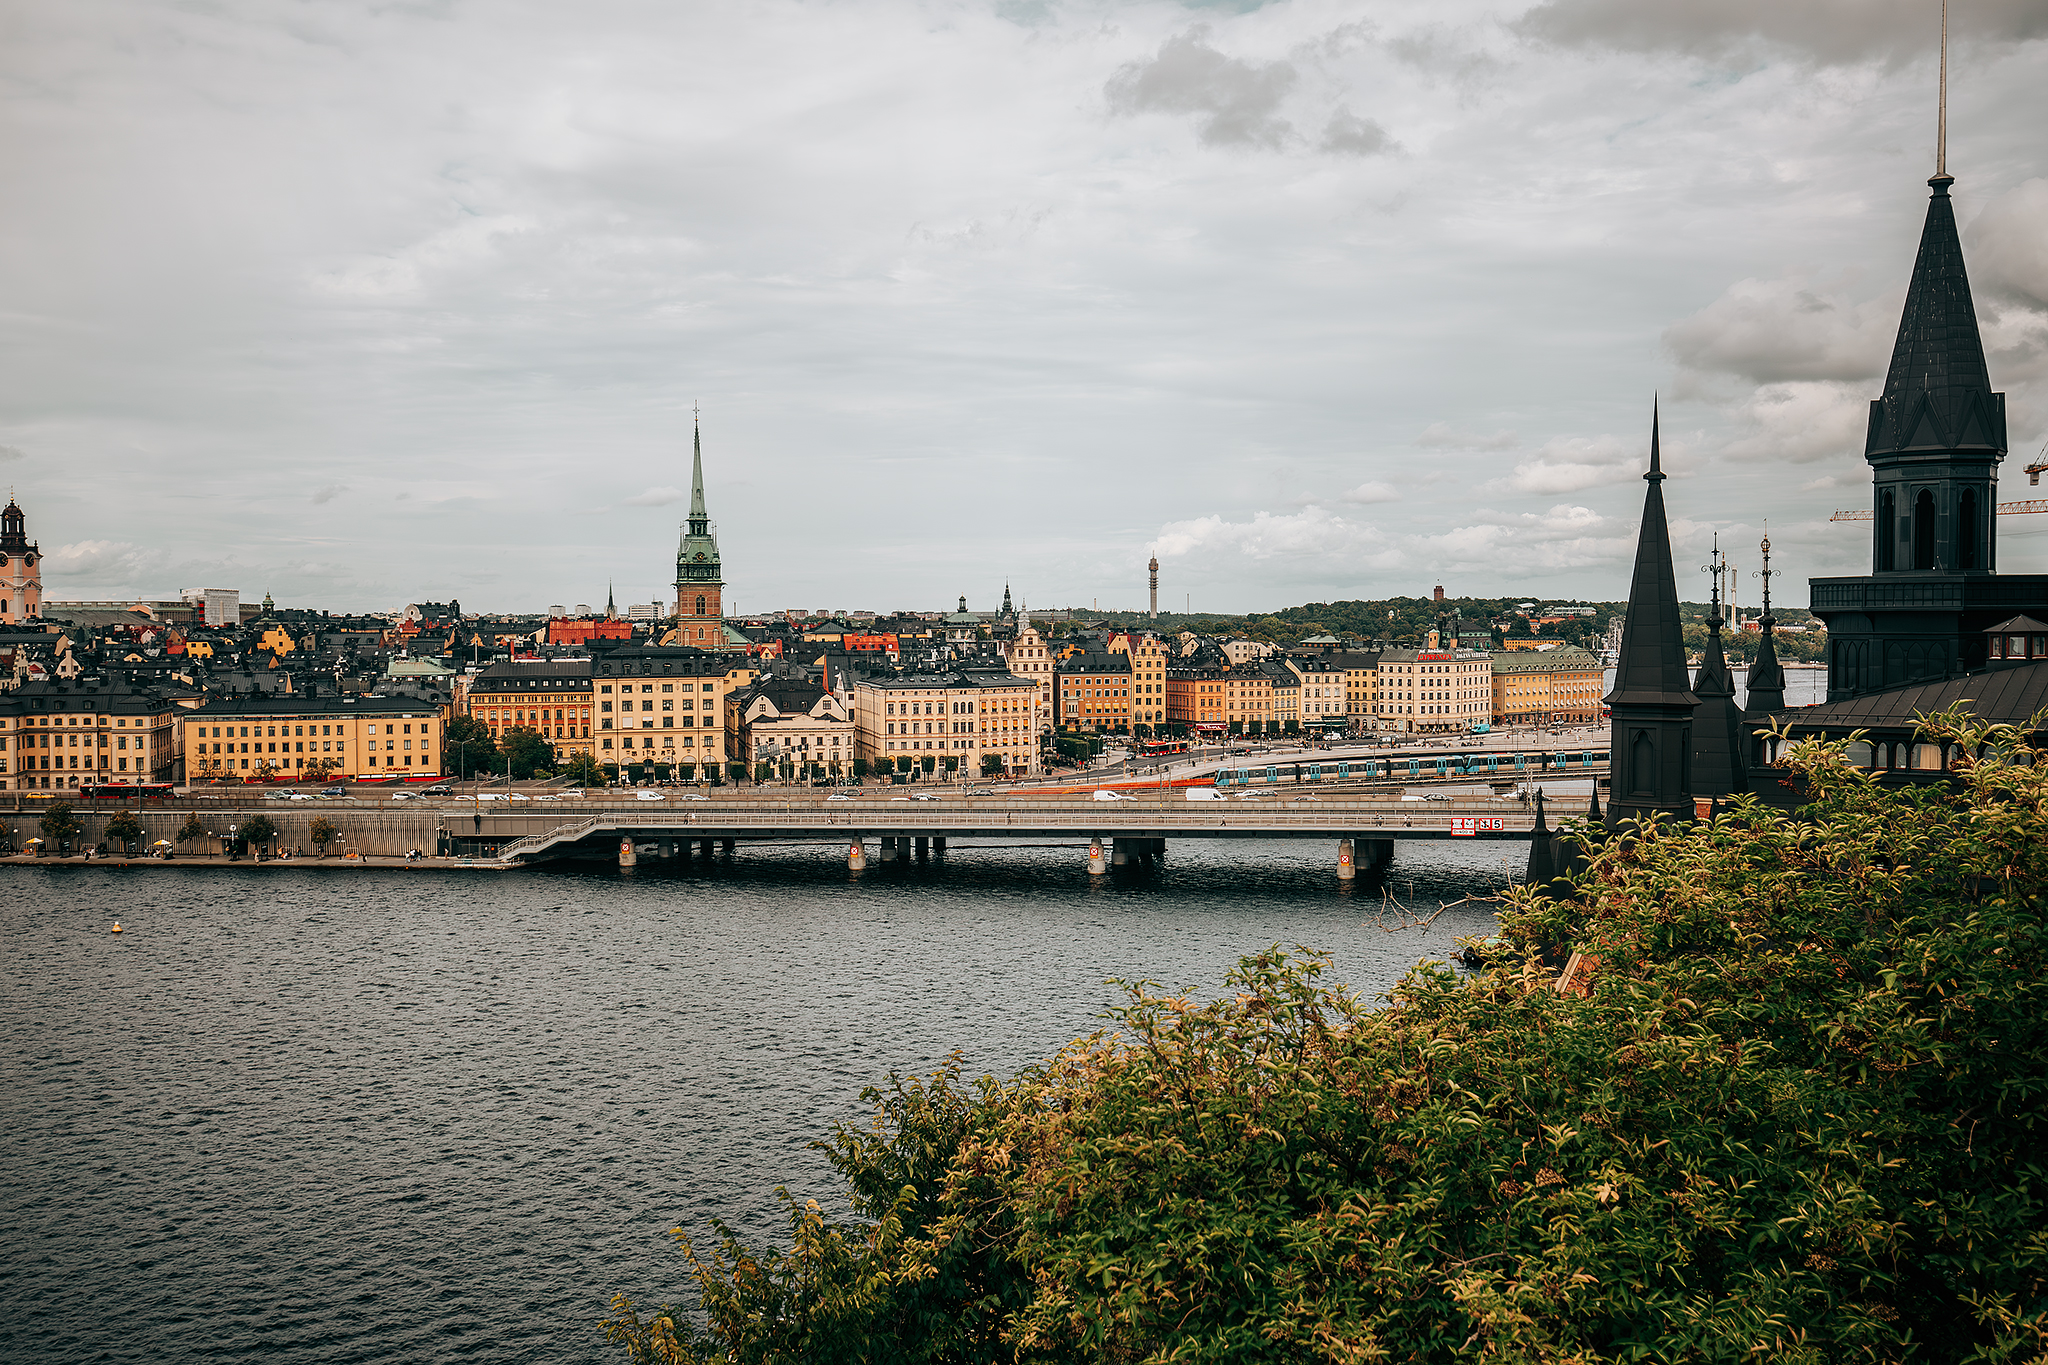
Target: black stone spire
(1650, 743)
(1938, 433)
(1766, 691)
(1718, 765)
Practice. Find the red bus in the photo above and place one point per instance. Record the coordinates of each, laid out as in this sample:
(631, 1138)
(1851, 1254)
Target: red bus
(1153, 748)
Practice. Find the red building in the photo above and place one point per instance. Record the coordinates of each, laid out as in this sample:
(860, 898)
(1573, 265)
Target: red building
(576, 630)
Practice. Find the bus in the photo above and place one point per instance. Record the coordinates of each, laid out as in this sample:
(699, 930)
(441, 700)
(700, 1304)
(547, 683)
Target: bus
(1154, 748)
(127, 791)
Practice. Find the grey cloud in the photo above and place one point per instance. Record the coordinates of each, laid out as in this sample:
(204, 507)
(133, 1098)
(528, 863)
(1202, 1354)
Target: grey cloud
(1371, 491)
(1241, 99)
(2008, 249)
(1772, 331)
(12, 453)
(1825, 31)
(1354, 136)
(329, 493)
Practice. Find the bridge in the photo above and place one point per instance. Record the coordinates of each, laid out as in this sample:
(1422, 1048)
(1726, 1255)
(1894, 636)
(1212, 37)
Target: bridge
(1361, 830)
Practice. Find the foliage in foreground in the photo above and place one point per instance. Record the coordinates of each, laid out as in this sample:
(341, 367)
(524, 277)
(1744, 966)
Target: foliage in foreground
(1798, 1117)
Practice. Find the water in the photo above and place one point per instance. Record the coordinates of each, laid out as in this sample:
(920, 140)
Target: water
(1803, 686)
(400, 1117)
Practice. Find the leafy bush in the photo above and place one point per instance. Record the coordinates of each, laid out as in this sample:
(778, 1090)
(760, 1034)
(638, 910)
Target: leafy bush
(1791, 1111)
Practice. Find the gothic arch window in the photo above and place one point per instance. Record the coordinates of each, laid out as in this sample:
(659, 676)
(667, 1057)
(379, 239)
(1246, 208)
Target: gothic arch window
(1966, 528)
(1887, 531)
(1923, 530)
(1642, 766)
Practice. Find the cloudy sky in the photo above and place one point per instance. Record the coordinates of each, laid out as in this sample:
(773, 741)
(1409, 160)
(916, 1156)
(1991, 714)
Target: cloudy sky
(367, 303)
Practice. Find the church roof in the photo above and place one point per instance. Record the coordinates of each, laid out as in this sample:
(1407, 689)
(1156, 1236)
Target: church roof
(1651, 669)
(1937, 392)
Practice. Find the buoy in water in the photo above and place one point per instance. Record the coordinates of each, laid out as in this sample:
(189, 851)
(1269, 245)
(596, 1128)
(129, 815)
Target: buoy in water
(116, 929)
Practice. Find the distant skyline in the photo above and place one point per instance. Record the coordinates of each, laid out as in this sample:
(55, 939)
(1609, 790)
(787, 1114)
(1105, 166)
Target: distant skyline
(358, 304)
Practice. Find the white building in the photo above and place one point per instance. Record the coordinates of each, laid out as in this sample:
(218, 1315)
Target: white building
(217, 606)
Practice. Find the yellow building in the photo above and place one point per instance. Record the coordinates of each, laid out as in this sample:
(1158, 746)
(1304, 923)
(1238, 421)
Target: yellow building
(56, 736)
(975, 718)
(1149, 657)
(1434, 691)
(1325, 692)
(1361, 689)
(1560, 686)
(552, 696)
(301, 738)
(1247, 700)
(660, 705)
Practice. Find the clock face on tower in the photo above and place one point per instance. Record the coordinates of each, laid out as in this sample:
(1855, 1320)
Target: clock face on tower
(29, 560)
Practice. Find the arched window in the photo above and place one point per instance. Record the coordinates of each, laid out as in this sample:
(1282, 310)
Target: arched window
(1887, 531)
(1966, 531)
(1923, 530)
(700, 606)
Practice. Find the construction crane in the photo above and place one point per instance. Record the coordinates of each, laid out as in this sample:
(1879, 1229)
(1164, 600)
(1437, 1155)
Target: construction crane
(2003, 509)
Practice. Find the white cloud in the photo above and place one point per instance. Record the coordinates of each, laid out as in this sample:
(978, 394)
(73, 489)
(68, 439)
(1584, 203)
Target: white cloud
(2008, 251)
(329, 493)
(1370, 491)
(1311, 532)
(1831, 31)
(1568, 464)
(656, 497)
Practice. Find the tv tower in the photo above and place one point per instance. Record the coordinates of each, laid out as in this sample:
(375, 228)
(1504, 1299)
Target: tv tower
(1153, 569)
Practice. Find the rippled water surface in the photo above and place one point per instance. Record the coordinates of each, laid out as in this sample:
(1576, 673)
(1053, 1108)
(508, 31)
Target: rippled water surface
(385, 1116)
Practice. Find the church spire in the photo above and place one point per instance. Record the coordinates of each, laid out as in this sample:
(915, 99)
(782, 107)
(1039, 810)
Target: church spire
(698, 514)
(1717, 748)
(1652, 702)
(1766, 676)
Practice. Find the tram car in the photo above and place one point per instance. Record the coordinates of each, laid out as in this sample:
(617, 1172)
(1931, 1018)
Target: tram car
(1418, 767)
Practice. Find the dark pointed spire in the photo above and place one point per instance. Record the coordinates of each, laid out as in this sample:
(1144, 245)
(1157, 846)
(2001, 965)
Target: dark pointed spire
(1766, 683)
(1717, 747)
(1650, 743)
(1593, 806)
(1937, 392)
(1542, 855)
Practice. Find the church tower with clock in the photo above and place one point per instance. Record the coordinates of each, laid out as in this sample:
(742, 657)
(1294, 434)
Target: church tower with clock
(700, 579)
(21, 562)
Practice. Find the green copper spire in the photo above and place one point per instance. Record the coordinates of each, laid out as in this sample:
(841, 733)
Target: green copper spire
(700, 578)
(698, 516)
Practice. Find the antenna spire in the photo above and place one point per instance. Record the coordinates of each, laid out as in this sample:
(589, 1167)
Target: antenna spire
(1941, 121)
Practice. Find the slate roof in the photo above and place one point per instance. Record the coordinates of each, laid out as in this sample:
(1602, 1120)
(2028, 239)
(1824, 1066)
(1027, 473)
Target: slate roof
(1652, 669)
(1937, 392)
(2009, 695)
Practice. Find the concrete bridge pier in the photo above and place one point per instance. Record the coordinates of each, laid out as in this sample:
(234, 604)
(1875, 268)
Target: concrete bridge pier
(1119, 852)
(888, 848)
(856, 856)
(1097, 864)
(1375, 855)
(939, 844)
(923, 848)
(731, 846)
(1346, 868)
(627, 857)
(704, 847)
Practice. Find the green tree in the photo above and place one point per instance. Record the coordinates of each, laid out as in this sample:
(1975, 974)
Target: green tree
(929, 762)
(583, 770)
(59, 823)
(467, 748)
(124, 828)
(991, 764)
(903, 762)
(1786, 1103)
(322, 832)
(193, 828)
(258, 830)
(860, 767)
(762, 772)
(525, 751)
